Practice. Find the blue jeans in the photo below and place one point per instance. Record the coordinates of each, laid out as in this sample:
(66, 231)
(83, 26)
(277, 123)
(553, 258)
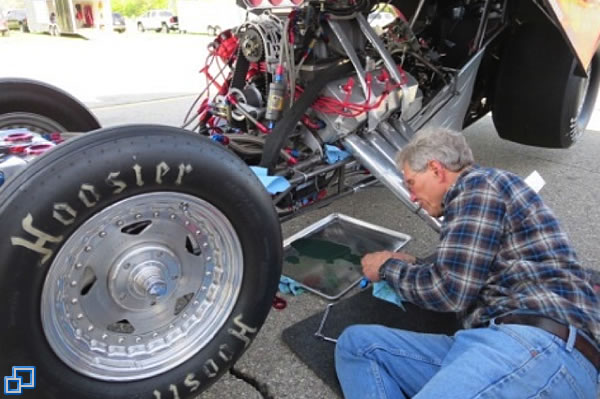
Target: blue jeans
(500, 361)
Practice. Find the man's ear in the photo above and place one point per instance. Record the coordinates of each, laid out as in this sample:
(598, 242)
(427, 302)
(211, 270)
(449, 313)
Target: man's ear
(438, 169)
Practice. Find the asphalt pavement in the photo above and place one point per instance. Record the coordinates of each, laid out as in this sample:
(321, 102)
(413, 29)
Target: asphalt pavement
(124, 86)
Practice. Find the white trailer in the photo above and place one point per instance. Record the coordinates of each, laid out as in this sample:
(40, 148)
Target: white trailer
(70, 16)
(208, 16)
(38, 15)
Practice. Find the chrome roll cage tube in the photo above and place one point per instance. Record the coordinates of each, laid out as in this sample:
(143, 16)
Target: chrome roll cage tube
(341, 171)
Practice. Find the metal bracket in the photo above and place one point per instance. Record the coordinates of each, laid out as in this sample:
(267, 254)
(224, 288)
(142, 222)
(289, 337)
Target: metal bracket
(319, 334)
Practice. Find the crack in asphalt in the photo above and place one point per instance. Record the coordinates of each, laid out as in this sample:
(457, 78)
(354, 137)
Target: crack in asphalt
(261, 388)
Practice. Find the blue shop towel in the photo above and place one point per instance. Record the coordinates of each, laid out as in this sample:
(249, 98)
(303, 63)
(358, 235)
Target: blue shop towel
(334, 154)
(289, 286)
(273, 184)
(382, 290)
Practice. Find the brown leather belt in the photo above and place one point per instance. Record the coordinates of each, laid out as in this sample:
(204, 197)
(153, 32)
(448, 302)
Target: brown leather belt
(582, 344)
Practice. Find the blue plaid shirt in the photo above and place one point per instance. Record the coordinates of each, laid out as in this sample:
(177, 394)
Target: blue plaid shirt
(501, 250)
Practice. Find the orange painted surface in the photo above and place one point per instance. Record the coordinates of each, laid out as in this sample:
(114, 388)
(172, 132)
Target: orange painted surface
(580, 20)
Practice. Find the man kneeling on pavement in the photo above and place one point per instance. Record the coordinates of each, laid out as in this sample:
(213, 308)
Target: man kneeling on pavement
(531, 317)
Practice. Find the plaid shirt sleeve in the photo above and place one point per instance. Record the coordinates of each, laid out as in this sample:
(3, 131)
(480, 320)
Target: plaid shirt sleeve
(470, 240)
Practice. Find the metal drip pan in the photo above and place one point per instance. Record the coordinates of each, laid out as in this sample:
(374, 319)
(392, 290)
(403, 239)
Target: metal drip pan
(324, 258)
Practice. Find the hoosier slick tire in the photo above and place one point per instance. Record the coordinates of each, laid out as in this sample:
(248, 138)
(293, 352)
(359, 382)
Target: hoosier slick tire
(135, 262)
(539, 98)
(42, 108)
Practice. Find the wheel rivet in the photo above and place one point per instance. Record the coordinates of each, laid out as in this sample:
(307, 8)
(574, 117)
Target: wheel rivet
(187, 222)
(78, 332)
(138, 216)
(88, 248)
(104, 336)
(80, 316)
(173, 216)
(205, 245)
(73, 283)
(90, 328)
(74, 301)
(138, 340)
(198, 232)
(121, 340)
(120, 223)
(102, 234)
(79, 266)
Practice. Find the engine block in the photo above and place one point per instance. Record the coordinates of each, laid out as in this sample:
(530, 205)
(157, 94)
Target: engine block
(384, 98)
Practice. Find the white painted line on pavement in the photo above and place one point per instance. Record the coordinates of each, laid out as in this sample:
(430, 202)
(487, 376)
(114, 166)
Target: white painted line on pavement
(141, 102)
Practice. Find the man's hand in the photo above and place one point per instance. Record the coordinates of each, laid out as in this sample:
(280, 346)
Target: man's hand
(373, 261)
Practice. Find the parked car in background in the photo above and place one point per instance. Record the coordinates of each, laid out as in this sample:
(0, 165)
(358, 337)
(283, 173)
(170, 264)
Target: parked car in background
(158, 20)
(3, 26)
(118, 22)
(17, 19)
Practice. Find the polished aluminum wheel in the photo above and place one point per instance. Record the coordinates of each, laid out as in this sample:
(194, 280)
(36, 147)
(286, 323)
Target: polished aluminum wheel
(142, 286)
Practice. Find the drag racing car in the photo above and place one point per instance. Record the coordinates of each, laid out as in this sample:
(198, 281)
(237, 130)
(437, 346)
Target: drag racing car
(140, 261)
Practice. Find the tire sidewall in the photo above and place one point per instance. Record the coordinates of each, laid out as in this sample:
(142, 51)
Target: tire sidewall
(571, 122)
(217, 176)
(28, 96)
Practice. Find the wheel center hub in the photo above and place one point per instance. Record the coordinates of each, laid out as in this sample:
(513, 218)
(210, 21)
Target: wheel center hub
(144, 277)
(150, 280)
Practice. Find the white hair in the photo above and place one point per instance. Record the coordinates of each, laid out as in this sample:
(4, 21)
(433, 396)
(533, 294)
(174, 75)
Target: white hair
(445, 146)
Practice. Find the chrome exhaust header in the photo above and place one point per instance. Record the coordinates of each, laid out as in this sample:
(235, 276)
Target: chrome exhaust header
(377, 151)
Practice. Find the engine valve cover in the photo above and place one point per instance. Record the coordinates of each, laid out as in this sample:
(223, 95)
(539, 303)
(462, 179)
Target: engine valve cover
(339, 126)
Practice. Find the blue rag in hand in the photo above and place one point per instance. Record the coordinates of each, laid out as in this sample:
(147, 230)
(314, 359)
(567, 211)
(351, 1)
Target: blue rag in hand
(383, 291)
(273, 184)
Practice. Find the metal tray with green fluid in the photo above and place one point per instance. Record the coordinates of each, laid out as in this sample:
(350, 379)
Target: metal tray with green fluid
(324, 258)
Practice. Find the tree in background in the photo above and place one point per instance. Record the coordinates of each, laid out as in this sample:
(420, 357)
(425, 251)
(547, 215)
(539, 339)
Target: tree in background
(134, 8)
